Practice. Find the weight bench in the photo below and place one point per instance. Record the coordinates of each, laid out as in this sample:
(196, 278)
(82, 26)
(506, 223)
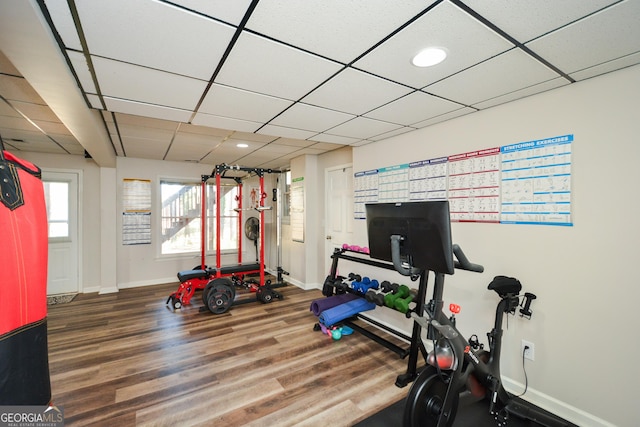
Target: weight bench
(191, 280)
(230, 270)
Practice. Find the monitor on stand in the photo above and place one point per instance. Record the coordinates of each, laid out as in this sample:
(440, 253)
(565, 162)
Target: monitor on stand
(424, 230)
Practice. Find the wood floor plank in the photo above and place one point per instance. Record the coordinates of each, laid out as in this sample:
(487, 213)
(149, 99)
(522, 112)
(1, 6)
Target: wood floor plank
(127, 359)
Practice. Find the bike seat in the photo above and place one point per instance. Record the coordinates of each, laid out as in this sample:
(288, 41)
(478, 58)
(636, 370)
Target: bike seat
(504, 285)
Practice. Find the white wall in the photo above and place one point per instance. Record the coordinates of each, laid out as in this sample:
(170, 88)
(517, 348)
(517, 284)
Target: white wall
(584, 276)
(90, 225)
(140, 265)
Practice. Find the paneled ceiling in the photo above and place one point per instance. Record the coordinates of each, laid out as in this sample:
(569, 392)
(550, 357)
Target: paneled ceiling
(189, 80)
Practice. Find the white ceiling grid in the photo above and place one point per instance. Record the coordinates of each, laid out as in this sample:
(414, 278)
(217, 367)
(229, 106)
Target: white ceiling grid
(186, 80)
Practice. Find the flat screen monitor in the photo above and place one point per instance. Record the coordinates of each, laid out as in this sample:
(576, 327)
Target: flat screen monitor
(425, 228)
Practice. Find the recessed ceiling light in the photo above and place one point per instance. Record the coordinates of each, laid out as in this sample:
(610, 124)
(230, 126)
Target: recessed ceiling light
(242, 145)
(428, 57)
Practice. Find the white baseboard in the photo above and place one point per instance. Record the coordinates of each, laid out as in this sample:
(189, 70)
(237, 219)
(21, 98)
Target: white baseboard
(110, 290)
(305, 286)
(563, 410)
(142, 283)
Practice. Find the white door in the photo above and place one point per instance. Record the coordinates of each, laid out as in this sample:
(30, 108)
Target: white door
(61, 196)
(338, 210)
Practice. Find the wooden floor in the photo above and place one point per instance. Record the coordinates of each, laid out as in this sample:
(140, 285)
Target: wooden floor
(126, 359)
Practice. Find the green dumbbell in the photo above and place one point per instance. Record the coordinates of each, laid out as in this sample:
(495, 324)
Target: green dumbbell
(390, 299)
(402, 304)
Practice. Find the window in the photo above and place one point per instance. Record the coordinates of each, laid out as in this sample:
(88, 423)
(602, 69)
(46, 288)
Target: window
(181, 222)
(56, 196)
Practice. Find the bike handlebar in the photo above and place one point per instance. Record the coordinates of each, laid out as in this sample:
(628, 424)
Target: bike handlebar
(463, 262)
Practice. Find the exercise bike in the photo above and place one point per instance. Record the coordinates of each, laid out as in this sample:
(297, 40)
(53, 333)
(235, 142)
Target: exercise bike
(457, 365)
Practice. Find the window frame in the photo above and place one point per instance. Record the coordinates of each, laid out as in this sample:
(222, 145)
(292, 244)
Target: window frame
(210, 248)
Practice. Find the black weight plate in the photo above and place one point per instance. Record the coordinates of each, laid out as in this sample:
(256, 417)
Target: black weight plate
(219, 298)
(264, 295)
(218, 281)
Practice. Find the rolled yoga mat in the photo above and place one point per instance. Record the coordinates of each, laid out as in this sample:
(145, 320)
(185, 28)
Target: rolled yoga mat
(343, 311)
(322, 304)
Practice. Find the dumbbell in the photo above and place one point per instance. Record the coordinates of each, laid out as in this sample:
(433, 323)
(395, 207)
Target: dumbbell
(354, 277)
(390, 298)
(389, 287)
(364, 286)
(340, 286)
(370, 295)
(402, 304)
(375, 297)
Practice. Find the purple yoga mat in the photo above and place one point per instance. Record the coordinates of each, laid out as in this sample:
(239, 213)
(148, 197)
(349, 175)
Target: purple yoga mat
(322, 304)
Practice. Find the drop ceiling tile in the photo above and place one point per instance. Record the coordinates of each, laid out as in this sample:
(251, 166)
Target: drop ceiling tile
(52, 127)
(444, 117)
(161, 135)
(309, 117)
(155, 35)
(15, 88)
(278, 149)
(395, 132)
(210, 120)
(8, 110)
(145, 122)
(205, 131)
(607, 35)
(363, 128)
(218, 158)
(361, 143)
(241, 104)
(415, 107)
(606, 67)
(190, 146)
(81, 68)
(286, 132)
(69, 143)
(445, 26)
(254, 159)
(252, 145)
(75, 149)
(525, 20)
(230, 12)
(63, 21)
(294, 142)
(335, 139)
(134, 83)
(94, 101)
(6, 67)
(15, 123)
(511, 71)
(34, 111)
(355, 92)
(246, 136)
(145, 148)
(260, 65)
(531, 90)
(149, 110)
(323, 26)
(25, 136)
(327, 146)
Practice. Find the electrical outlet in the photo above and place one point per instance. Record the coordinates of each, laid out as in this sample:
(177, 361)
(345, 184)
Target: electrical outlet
(528, 349)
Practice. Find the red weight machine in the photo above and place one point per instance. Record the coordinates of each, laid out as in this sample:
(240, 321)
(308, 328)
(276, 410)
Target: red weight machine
(219, 283)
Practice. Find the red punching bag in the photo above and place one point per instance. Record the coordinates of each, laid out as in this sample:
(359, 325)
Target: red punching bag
(24, 358)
